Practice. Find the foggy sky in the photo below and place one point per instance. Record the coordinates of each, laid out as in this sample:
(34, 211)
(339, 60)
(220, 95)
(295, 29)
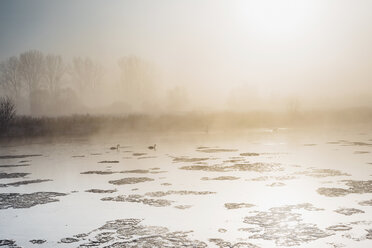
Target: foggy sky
(224, 53)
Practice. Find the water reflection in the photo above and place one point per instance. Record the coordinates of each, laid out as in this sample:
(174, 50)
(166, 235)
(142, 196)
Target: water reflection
(262, 190)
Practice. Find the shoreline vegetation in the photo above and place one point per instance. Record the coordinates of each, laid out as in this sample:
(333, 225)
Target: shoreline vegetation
(85, 125)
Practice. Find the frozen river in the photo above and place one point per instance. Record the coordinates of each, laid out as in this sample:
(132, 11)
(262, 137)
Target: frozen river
(259, 188)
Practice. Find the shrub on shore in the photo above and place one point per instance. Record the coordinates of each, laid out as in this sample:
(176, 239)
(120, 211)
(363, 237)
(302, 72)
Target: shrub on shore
(7, 113)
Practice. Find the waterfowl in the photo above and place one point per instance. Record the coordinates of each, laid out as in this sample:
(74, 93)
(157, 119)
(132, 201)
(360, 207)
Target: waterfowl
(152, 147)
(115, 147)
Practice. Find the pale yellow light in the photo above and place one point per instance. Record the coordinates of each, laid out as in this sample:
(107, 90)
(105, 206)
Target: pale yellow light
(278, 19)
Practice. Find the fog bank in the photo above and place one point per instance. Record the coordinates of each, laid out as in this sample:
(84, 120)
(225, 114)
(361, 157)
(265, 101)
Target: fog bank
(121, 57)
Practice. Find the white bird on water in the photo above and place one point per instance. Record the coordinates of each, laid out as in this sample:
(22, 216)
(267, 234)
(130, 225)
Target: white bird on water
(152, 147)
(115, 147)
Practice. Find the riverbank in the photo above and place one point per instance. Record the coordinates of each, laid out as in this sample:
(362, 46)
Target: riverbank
(84, 125)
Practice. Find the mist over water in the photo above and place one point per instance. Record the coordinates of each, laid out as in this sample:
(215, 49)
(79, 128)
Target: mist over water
(196, 123)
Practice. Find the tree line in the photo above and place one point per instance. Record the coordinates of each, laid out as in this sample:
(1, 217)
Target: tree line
(40, 83)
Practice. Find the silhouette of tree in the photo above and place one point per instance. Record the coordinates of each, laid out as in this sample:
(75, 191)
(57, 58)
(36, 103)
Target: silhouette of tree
(54, 71)
(32, 69)
(293, 106)
(137, 79)
(10, 78)
(86, 73)
(177, 99)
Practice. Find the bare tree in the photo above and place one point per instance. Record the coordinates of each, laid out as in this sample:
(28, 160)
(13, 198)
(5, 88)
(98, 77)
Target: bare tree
(177, 99)
(86, 73)
(293, 106)
(137, 78)
(10, 78)
(54, 71)
(32, 69)
(7, 112)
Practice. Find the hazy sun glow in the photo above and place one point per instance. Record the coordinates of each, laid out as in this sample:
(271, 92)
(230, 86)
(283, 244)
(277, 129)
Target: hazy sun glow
(278, 19)
(246, 54)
